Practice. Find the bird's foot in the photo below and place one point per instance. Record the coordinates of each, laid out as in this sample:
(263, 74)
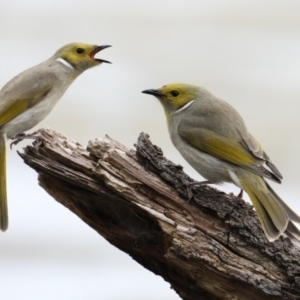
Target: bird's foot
(189, 186)
(22, 136)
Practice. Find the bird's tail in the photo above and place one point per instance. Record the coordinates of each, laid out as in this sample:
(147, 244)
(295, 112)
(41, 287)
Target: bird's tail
(274, 214)
(3, 197)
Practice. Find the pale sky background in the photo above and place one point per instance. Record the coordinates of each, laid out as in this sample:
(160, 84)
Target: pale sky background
(246, 52)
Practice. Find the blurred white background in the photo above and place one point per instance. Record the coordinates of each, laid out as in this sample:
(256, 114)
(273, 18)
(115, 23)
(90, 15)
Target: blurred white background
(246, 52)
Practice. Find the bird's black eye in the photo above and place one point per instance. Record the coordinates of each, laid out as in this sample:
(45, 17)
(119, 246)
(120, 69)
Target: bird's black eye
(174, 93)
(79, 50)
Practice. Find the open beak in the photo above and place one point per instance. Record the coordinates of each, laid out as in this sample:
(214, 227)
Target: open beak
(153, 92)
(98, 49)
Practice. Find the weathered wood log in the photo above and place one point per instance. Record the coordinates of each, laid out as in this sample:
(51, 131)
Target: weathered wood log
(206, 244)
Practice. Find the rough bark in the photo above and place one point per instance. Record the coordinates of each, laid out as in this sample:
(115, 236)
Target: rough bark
(206, 244)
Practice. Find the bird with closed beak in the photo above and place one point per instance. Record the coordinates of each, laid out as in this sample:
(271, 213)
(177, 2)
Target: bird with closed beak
(29, 97)
(212, 137)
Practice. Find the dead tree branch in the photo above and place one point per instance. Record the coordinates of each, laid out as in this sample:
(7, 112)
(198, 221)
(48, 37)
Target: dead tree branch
(211, 247)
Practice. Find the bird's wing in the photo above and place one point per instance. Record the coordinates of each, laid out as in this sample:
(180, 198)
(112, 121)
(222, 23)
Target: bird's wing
(24, 91)
(228, 149)
(258, 152)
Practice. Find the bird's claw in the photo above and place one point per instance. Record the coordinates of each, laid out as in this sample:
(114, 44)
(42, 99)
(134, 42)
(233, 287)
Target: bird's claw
(22, 136)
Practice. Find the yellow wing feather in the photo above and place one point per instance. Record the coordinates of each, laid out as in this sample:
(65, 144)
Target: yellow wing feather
(220, 147)
(14, 110)
(18, 106)
(231, 152)
(24, 91)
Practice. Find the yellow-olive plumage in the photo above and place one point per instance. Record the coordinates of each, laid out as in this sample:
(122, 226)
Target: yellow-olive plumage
(212, 137)
(30, 96)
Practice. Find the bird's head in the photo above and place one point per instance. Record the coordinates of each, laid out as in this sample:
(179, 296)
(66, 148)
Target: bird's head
(175, 96)
(80, 56)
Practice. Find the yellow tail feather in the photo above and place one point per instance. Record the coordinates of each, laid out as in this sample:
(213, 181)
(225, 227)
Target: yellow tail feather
(272, 215)
(271, 232)
(3, 196)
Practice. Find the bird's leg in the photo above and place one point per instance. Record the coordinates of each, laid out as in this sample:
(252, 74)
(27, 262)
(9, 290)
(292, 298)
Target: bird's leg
(240, 195)
(22, 136)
